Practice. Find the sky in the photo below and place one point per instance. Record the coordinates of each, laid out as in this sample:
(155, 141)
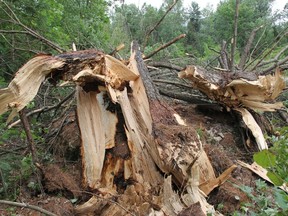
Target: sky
(277, 5)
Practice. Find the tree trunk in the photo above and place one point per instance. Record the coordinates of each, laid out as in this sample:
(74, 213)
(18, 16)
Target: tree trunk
(136, 150)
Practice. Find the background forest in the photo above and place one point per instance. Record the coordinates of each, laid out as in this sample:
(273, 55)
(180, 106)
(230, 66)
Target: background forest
(31, 27)
(106, 24)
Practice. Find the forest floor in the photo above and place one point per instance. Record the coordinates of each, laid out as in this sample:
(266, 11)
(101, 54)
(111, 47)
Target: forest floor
(62, 184)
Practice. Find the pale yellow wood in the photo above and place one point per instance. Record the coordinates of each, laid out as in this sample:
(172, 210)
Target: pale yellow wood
(208, 186)
(260, 171)
(90, 121)
(24, 87)
(118, 69)
(254, 127)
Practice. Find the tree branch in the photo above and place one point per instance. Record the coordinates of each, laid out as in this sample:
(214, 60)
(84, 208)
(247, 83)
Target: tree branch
(223, 59)
(30, 31)
(27, 130)
(171, 82)
(275, 59)
(277, 64)
(234, 42)
(247, 48)
(269, 51)
(165, 65)
(44, 109)
(164, 46)
(13, 32)
(36, 208)
(158, 23)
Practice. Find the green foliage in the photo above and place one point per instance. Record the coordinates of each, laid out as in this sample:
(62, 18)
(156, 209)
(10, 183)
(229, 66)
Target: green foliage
(265, 201)
(275, 159)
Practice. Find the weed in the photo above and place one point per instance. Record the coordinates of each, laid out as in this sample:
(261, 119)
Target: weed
(265, 201)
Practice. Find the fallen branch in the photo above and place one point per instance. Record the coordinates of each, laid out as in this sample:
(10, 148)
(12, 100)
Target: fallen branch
(194, 99)
(24, 205)
(158, 23)
(164, 46)
(171, 82)
(166, 65)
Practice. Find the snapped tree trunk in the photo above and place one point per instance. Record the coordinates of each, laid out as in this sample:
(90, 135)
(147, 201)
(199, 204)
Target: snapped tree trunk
(138, 155)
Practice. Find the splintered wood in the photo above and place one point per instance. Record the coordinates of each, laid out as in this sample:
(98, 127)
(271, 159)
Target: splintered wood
(135, 147)
(240, 92)
(129, 134)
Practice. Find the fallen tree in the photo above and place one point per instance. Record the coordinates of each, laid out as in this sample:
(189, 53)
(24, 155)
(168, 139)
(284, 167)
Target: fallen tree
(135, 147)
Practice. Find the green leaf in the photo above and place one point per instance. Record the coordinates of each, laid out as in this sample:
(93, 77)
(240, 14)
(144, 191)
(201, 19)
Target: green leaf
(265, 158)
(281, 199)
(277, 180)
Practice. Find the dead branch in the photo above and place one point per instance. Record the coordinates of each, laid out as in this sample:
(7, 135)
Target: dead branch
(223, 59)
(171, 82)
(43, 109)
(165, 65)
(247, 48)
(158, 23)
(24, 205)
(117, 49)
(31, 32)
(275, 59)
(269, 51)
(13, 32)
(31, 145)
(30, 139)
(164, 46)
(194, 99)
(256, 45)
(277, 64)
(234, 42)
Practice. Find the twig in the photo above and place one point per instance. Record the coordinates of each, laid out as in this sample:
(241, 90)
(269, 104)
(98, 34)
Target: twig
(234, 42)
(158, 23)
(216, 51)
(13, 32)
(12, 151)
(164, 46)
(44, 109)
(36, 208)
(247, 48)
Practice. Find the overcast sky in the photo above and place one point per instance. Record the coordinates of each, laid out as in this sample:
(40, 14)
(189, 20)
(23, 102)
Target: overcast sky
(278, 4)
